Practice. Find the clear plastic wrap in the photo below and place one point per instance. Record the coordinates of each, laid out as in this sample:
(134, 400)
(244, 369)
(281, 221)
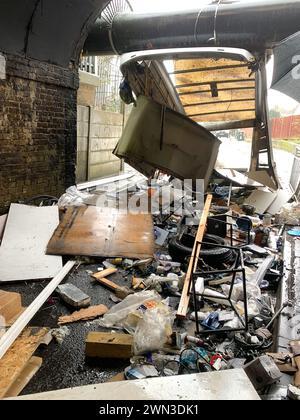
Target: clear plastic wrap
(153, 330)
(117, 315)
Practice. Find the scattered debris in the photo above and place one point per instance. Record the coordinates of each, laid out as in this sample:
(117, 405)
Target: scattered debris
(295, 347)
(262, 372)
(293, 393)
(60, 334)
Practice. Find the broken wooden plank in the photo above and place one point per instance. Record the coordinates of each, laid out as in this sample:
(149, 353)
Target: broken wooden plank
(73, 296)
(109, 345)
(10, 306)
(107, 283)
(9, 337)
(121, 291)
(25, 377)
(105, 273)
(84, 314)
(185, 297)
(14, 361)
(27, 232)
(94, 232)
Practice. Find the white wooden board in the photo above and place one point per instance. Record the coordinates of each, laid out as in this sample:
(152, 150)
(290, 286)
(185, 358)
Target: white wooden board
(2, 225)
(22, 252)
(283, 196)
(224, 385)
(261, 200)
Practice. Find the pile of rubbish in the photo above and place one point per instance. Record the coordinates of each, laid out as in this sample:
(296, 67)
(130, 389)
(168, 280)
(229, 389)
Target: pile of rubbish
(200, 297)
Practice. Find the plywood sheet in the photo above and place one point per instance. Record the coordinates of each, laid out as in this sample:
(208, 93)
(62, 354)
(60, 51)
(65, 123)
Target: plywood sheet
(221, 107)
(22, 252)
(100, 232)
(25, 377)
(188, 100)
(230, 104)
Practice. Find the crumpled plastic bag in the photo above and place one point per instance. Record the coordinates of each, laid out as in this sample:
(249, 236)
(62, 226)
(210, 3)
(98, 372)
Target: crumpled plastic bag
(253, 291)
(117, 315)
(76, 198)
(153, 330)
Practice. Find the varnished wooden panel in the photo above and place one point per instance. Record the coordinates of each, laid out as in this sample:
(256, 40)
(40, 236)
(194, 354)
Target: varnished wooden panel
(98, 232)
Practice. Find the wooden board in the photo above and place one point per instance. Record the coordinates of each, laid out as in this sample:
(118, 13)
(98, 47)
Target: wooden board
(25, 377)
(109, 345)
(105, 273)
(106, 282)
(10, 306)
(22, 252)
(83, 315)
(185, 297)
(17, 357)
(97, 232)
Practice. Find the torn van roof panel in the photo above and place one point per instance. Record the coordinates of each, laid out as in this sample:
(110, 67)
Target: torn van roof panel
(156, 137)
(215, 89)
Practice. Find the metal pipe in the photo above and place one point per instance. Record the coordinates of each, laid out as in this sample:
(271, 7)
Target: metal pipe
(256, 26)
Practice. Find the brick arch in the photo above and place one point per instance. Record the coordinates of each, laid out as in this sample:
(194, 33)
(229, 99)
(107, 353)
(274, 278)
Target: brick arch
(51, 31)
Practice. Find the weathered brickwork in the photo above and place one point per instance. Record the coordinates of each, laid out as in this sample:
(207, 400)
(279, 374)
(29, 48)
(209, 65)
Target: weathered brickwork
(37, 130)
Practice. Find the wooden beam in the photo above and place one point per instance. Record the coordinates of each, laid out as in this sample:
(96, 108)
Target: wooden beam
(197, 70)
(186, 85)
(103, 274)
(219, 102)
(15, 330)
(107, 283)
(194, 92)
(228, 125)
(222, 112)
(185, 297)
(109, 345)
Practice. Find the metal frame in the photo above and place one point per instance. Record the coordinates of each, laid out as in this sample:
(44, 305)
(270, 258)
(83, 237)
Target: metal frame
(231, 229)
(195, 52)
(239, 262)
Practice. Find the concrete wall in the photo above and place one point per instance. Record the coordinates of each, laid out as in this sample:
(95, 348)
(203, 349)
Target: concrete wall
(98, 134)
(37, 129)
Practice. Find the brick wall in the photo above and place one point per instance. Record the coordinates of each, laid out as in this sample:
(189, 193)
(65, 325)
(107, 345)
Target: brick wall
(37, 129)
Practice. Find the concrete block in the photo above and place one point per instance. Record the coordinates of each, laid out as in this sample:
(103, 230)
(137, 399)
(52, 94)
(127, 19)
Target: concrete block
(73, 296)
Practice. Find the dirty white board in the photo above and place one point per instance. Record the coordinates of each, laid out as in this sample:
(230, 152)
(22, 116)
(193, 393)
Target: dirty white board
(22, 252)
(261, 200)
(224, 385)
(283, 196)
